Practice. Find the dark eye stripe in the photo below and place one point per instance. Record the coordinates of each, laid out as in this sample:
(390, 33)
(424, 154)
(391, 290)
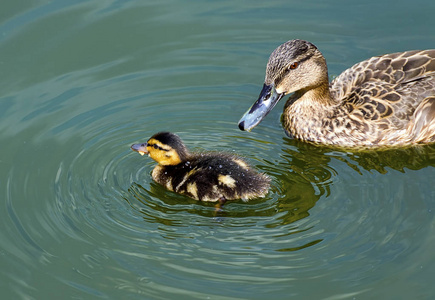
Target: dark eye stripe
(155, 146)
(287, 70)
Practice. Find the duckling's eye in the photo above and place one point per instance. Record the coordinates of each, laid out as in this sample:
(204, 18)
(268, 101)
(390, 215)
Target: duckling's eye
(293, 66)
(153, 145)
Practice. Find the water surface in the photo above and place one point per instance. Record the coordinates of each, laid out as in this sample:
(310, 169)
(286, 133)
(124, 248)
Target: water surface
(81, 217)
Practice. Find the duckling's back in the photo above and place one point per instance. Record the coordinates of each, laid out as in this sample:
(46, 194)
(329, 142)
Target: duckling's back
(213, 177)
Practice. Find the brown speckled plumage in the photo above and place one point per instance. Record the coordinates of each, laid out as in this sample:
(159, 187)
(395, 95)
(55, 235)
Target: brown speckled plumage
(385, 100)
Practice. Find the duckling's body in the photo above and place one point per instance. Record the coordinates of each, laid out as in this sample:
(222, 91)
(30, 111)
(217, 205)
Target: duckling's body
(385, 100)
(209, 176)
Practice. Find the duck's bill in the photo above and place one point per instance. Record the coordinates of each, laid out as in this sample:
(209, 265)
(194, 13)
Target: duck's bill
(267, 100)
(140, 148)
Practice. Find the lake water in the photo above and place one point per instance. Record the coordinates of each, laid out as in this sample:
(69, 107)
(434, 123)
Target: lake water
(80, 216)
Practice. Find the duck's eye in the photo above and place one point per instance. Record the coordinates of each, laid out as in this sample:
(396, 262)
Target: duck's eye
(155, 146)
(293, 66)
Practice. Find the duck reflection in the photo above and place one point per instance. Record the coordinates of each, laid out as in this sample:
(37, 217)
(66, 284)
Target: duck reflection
(306, 171)
(414, 157)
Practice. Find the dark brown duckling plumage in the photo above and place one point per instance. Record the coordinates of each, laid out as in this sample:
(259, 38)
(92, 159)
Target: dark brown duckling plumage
(208, 176)
(385, 100)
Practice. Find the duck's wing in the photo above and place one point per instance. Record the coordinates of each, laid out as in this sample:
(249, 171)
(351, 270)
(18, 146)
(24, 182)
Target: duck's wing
(422, 126)
(395, 68)
(392, 96)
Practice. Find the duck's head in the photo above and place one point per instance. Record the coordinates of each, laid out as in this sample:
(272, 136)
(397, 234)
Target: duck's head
(166, 148)
(295, 66)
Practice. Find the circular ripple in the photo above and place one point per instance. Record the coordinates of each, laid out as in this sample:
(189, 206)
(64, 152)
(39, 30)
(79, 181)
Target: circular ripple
(328, 212)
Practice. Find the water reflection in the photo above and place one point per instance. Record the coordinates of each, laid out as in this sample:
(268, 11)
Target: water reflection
(303, 174)
(291, 196)
(414, 157)
(299, 179)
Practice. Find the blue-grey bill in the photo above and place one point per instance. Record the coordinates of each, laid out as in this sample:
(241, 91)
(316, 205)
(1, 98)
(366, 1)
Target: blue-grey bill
(266, 102)
(140, 148)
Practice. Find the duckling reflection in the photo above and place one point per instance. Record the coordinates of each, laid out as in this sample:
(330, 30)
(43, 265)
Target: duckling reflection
(205, 176)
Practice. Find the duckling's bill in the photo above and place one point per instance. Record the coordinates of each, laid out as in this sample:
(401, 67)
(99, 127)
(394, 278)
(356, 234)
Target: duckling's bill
(140, 148)
(267, 100)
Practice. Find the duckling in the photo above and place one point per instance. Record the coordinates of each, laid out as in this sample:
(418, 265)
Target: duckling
(208, 176)
(384, 100)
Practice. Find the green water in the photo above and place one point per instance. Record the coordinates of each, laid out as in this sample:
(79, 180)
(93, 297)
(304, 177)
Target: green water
(80, 218)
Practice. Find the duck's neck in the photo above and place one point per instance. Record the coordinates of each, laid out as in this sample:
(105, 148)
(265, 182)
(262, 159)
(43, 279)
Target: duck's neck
(306, 110)
(318, 98)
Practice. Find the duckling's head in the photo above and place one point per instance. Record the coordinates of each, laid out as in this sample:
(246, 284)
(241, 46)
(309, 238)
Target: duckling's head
(166, 148)
(294, 66)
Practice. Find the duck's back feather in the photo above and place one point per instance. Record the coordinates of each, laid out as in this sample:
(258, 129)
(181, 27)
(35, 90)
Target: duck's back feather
(393, 92)
(394, 68)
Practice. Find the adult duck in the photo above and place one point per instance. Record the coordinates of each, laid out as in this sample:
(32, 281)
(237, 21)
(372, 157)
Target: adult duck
(384, 100)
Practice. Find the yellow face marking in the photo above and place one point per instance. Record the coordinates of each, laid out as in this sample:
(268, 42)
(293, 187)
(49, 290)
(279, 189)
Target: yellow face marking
(163, 154)
(227, 180)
